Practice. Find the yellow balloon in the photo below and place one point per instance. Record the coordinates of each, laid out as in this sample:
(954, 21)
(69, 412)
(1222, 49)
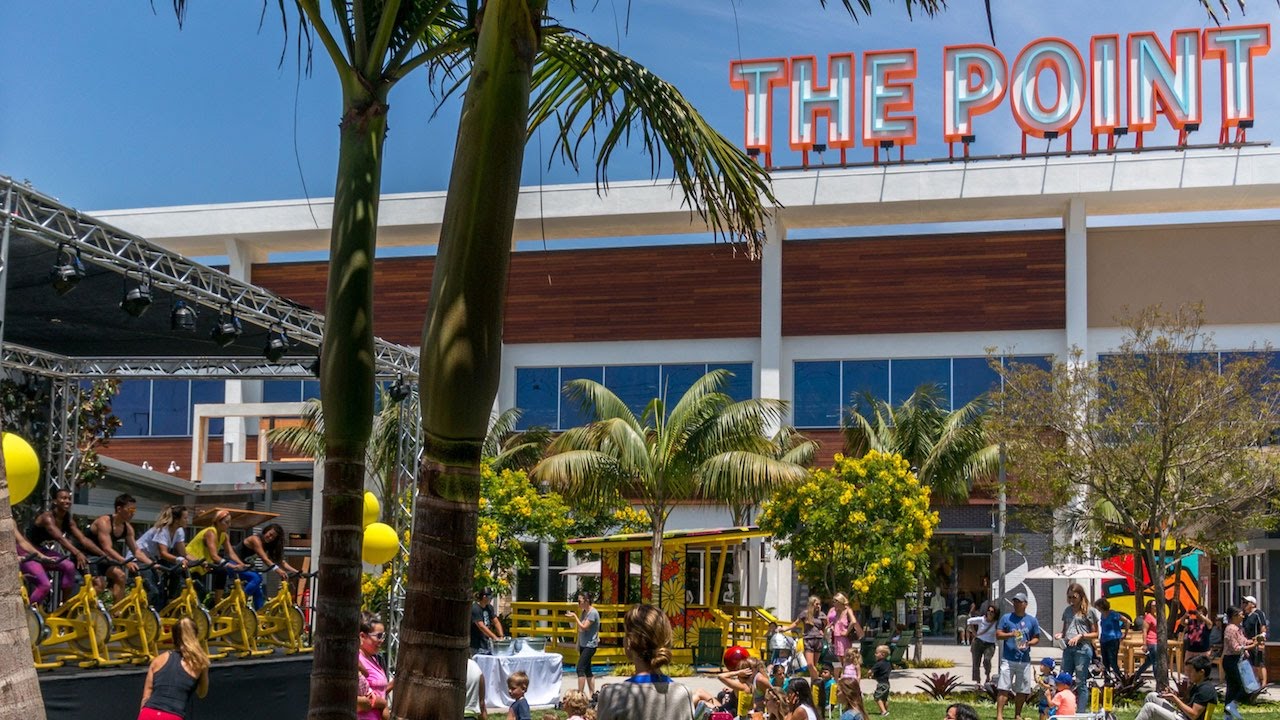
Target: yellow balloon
(372, 510)
(380, 543)
(22, 467)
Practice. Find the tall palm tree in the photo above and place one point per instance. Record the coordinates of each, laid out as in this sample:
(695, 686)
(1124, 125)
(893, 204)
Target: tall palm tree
(948, 450)
(708, 446)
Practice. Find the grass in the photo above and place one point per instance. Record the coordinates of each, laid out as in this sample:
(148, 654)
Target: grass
(931, 663)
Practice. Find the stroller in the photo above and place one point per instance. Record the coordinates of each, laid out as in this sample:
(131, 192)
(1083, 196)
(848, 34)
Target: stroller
(782, 649)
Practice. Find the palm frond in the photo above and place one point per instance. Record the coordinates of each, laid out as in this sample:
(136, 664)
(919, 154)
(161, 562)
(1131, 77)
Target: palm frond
(741, 477)
(790, 446)
(501, 426)
(592, 91)
(307, 438)
(598, 400)
(583, 475)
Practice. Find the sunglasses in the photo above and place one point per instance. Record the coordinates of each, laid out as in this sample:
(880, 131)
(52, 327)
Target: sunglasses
(377, 636)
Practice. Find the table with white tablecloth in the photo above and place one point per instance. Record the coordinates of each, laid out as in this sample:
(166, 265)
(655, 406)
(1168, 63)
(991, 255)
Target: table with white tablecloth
(543, 668)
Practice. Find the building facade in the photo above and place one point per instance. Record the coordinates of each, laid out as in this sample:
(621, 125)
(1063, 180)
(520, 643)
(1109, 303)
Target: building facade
(873, 279)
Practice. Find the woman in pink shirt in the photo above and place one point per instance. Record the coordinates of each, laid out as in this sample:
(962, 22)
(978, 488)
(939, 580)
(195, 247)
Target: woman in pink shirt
(844, 628)
(371, 704)
(1234, 645)
(1149, 638)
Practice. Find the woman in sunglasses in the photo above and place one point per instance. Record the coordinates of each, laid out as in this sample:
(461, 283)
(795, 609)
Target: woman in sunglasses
(371, 703)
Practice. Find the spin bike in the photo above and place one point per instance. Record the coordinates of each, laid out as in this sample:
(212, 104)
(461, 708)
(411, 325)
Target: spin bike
(280, 619)
(37, 630)
(79, 630)
(235, 625)
(135, 624)
(185, 604)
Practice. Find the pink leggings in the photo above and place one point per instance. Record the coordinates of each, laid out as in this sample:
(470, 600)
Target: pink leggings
(38, 578)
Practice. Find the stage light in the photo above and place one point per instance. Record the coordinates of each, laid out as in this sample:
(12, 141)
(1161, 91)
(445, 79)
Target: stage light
(277, 344)
(137, 299)
(182, 318)
(227, 329)
(67, 272)
(399, 390)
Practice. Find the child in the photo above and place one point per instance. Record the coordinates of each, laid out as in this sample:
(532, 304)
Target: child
(517, 686)
(852, 664)
(1064, 697)
(574, 703)
(850, 694)
(880, 673)
(822, 689)
(1046, 686)
(778, 677)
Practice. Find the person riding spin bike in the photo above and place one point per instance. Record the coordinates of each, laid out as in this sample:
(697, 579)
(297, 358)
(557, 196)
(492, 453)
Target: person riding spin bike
(33, 569)
(114, 535)
(56, 526)
(265, 553)
(166, 542)
(214, 547)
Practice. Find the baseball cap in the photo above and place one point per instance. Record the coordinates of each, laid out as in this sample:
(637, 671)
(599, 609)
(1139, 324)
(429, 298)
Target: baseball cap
(1064, 679)
(1047, 662)
(1019, 597)
(1250, 599)
(484, 594)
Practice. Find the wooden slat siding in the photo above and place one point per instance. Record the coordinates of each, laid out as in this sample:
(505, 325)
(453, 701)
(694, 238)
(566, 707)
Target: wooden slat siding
(651, 293)
(160, 450)
(400, 290)
(829, 442)
(946, 283)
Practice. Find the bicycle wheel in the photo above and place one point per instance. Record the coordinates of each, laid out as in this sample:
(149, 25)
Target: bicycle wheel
(150, 627)
(289, 633)
(36, 628)
(96, 616)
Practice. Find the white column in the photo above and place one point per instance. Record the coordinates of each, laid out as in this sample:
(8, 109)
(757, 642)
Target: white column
(1077, 277)
(240, 256)
(770, 372)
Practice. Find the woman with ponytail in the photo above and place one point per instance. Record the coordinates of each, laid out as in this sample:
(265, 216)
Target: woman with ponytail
(800, 701)
(647, 694)
(176, 677)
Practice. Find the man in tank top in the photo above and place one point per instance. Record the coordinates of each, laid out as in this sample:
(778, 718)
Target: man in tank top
(115, 536)
(56, 527)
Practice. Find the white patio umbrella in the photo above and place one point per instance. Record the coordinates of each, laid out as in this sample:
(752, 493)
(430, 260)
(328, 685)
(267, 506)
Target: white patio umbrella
(1073, 571)
(593, 568)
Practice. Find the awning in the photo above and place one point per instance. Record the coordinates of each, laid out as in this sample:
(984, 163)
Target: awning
(591, 568)
(672, 538)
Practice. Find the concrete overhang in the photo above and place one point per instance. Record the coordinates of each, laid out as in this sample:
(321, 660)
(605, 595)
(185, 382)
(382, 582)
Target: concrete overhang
(1155, 182)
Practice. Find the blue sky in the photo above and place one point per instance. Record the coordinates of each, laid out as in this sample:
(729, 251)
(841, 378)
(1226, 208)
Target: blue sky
(110, 105)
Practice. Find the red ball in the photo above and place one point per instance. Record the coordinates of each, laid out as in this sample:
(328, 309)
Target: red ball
(734, 655)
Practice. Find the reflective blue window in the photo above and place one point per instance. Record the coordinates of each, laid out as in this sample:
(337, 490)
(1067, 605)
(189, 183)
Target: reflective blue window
(909, 375)
(572, 413)
(635, 385)
(281, 391)
(677, 379)
(537, 395)
(132, 404)
(863, 377)
(170, 407)
(817, 394)
(971, 377)
(311, 389)
(209, 391)
(739, 387)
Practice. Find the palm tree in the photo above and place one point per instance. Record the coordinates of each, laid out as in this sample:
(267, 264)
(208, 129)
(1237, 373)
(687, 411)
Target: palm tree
(708, 446)
(789, 446)
(948, 450)
(509, 449)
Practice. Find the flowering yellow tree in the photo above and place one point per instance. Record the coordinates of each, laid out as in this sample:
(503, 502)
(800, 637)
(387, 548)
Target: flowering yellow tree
(862, 525)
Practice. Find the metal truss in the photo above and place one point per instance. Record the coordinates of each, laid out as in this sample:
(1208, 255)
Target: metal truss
(64, 432)
(43, 219)
(408, 458)
(39, 362)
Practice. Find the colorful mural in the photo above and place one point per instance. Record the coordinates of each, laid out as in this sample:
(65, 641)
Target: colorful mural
(609, 578)
(1181, 583)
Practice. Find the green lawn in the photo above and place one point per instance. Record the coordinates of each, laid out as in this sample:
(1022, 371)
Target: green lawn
(902, 709)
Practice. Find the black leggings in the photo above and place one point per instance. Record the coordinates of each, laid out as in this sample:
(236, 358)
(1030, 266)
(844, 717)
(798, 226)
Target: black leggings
(584, 661)
(1235, 683)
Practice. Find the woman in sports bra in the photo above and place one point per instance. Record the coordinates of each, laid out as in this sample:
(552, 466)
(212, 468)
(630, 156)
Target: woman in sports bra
(263, 554)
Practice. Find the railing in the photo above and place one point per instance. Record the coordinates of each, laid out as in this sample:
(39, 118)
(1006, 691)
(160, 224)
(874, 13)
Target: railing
(548, 620)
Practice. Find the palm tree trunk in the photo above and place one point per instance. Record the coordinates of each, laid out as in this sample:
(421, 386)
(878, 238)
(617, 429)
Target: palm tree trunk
(18, 684)
(347, 384)
(461, 354)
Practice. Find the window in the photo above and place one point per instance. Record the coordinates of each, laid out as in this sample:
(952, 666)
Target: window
(908, 375)
(206, 392)
(862, 378)
(540, 391)
(695, 592)
(132, 404)
(170, 407)
(817, 394)
(281, 391)
(970, 378)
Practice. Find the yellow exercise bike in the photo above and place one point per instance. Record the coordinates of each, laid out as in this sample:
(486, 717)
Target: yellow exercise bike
(235, 625)
(135, 634)
(280, 621)
(79, 630)
(37, 631)
(185, 604)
